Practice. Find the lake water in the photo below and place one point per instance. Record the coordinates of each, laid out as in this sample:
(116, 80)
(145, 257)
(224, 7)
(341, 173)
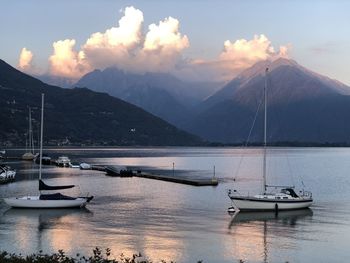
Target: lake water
(169, 221)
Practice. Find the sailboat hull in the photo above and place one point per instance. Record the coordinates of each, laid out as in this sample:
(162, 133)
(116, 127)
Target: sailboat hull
(35, 202)
(28, 157)
(256, 204)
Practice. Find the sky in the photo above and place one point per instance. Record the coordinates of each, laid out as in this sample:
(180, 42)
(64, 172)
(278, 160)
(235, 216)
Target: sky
(193, 39)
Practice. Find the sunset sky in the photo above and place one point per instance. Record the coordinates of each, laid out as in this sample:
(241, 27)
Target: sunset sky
(192, 39)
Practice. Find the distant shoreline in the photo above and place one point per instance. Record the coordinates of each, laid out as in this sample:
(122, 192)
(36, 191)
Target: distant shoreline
(204, 145)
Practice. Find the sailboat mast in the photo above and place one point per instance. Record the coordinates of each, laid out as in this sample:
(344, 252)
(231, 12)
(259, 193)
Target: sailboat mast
(41, 134)
(265, 129)
(31, 143)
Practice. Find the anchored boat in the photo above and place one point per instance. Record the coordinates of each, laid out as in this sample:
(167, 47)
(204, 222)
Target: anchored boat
(6, 174)
(63, 161)
(47, 200)
(29, 155)
(286, 199)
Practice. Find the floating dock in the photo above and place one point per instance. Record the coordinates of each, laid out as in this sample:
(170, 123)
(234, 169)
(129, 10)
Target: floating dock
(180, 179)
(195, 181)
(98, 168)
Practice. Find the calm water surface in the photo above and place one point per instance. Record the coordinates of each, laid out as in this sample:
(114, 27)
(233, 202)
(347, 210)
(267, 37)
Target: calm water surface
(170, 221)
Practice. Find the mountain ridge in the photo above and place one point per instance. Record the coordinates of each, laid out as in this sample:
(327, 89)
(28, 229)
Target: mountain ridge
(81, 115)
(163, 94)
(227, 115)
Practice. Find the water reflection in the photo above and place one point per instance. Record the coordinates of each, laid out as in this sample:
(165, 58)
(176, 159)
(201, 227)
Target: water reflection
(256, 232)
(287, 217)
(184, 223)
(39, 229)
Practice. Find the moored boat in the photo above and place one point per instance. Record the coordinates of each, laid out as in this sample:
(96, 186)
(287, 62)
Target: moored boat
(285, 199)
(48, 200)
(29, 154)
(85, 166)
(63, 161)
(6, 174)
(46, 160)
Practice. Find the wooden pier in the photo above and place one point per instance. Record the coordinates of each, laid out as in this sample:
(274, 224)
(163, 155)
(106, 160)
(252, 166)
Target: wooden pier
(180, 179)
(195, 181)
(99, 168)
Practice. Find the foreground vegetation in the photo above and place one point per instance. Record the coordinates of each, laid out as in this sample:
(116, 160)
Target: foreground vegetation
(99, 256)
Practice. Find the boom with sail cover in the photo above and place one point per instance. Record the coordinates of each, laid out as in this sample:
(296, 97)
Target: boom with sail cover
(45, 187)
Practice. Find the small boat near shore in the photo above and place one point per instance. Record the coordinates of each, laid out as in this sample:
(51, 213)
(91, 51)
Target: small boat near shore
(63, 161)
(46, 160)
(6, 174)
(85, 166)
(29, 154)
(74, 165)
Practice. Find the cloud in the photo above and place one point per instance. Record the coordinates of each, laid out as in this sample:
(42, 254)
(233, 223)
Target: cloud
(116, 46)
(284, 51)
(163, 46)
(165, 37)
(65, 61)
(159, 48)
(243, 53)
(25, 60)
(235, 57)
(125, 46)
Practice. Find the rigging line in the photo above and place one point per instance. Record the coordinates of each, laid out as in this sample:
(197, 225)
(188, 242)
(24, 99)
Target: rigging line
(290, 169)
(248, 138)
(252, 127)
(277, 116)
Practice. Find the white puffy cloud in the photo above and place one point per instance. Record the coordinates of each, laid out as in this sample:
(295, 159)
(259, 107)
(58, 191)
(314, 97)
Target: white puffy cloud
(163, 46)
(125, 46)
(242, 53)
(25, 60)
(284, 51)
(127, 34)
(165, 37)
(65, 61)
(235, 57)
(158, 49)
(116, 45)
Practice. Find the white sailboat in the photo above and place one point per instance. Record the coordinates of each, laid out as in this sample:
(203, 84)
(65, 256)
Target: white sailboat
(29, 155)
(6, 174)
(286, 199)
(55, 200)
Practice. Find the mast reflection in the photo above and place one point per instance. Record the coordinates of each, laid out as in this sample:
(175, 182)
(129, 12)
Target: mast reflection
(45, 229)
(254, 231)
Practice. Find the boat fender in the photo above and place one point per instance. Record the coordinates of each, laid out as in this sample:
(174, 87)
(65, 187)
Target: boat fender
(231, 210)
(276, 208)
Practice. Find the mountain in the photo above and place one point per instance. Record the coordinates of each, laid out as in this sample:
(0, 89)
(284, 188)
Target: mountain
(80, 115)
(303, 106)
(159, 93)
(62, 82)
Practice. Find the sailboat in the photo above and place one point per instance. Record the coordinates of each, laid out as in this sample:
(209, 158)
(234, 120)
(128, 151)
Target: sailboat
(6, 174)
(286, 199)
(29, 155)
(55, 200)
